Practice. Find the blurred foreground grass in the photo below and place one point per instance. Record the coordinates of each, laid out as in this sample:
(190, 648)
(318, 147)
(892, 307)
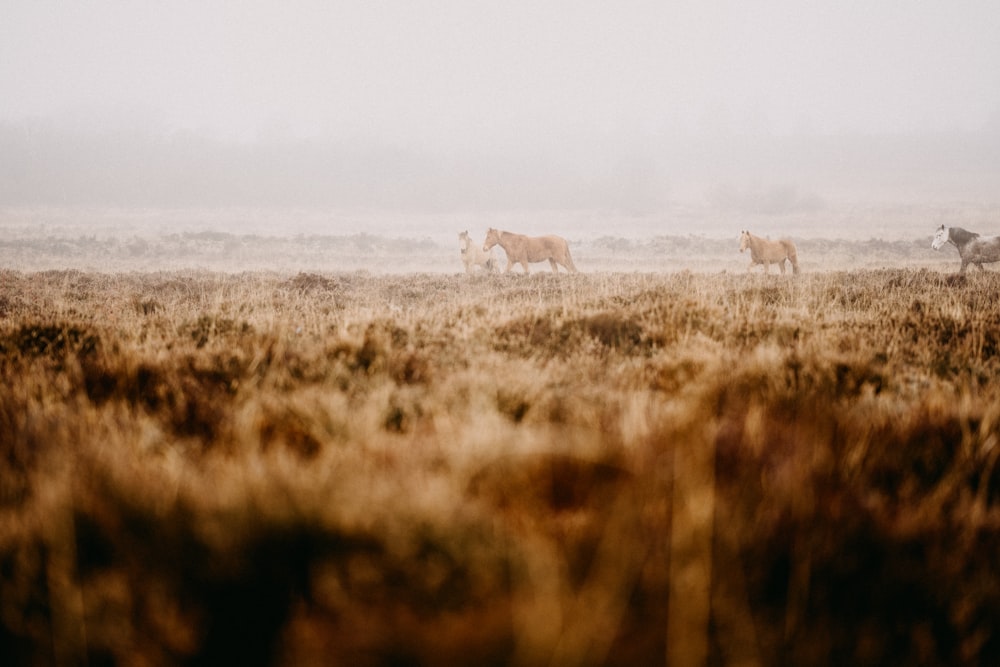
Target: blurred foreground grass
(202, 468)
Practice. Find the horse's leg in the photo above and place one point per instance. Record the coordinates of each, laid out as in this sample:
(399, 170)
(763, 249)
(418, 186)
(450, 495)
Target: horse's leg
(524, 263)
(965, 263)
(555, 267)
(781, 265)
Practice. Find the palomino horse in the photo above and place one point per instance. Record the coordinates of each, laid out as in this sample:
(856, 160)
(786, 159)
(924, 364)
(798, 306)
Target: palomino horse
(473, 255)
(972, 248)
(523, 249)
(766, 251)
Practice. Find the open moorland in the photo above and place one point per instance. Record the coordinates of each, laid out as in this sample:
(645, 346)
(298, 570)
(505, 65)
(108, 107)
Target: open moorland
(602, 468)
(383, 255)
(841, 238)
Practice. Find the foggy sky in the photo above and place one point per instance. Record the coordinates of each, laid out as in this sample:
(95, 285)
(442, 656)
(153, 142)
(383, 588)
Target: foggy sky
(580, 103)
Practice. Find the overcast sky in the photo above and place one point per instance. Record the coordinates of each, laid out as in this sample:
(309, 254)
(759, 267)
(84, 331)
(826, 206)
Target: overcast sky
(463, 76)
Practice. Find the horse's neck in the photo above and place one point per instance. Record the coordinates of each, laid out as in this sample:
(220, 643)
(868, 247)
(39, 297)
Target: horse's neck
(960, 237)
(756, 246)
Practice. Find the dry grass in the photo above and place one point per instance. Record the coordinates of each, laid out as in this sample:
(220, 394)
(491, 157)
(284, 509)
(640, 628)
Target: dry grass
(590, 469)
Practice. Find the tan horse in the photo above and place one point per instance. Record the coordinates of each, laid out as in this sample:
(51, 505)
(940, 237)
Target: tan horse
(766, 251)
(473, 255)
(523, 249)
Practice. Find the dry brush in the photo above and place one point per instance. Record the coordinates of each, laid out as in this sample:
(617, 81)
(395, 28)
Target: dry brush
(589, 469)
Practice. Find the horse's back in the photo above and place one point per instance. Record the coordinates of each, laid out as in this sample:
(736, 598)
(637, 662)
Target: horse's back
(771, 251)
(555, 243)
(537, 248)
(982, 249)
(531, 249)
(545, 247)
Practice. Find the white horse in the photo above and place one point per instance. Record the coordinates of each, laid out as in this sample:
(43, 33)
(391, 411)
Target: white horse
(972, 247)
(473, 255)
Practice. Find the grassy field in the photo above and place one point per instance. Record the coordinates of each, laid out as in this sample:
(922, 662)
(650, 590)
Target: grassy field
(239, 241)
(603, 468)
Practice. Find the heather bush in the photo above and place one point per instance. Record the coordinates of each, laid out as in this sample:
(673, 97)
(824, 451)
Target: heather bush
(341, 468)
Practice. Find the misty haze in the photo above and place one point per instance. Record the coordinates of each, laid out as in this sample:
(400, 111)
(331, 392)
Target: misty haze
(484, 333)
(643, 120)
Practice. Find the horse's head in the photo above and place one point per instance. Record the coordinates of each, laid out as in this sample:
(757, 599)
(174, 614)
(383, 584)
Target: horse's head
(492, 238)
(464, 241)
(744, 240)
(942, 236)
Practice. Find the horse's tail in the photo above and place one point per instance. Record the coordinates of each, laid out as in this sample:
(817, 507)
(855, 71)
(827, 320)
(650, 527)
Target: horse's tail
(792, 256)
(569, 260)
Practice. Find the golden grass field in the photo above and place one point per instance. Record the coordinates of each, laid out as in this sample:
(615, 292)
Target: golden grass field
(326, 468)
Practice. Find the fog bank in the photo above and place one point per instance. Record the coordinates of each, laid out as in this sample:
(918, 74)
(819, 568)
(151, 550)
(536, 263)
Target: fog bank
(640, 107)
(46, 164)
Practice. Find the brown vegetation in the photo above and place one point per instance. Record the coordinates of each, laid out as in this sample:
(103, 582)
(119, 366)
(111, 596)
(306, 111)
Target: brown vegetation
(590, 469)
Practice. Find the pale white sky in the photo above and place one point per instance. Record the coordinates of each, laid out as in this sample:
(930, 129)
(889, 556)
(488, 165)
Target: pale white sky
(452, 104)
(465, 73)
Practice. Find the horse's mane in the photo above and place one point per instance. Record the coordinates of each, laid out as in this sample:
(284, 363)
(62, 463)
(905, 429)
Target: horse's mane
(961, 236)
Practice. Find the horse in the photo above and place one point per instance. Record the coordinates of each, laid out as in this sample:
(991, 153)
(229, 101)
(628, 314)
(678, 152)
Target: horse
(766, 251)
(972, 248)
(473, 255)
(523, 249)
